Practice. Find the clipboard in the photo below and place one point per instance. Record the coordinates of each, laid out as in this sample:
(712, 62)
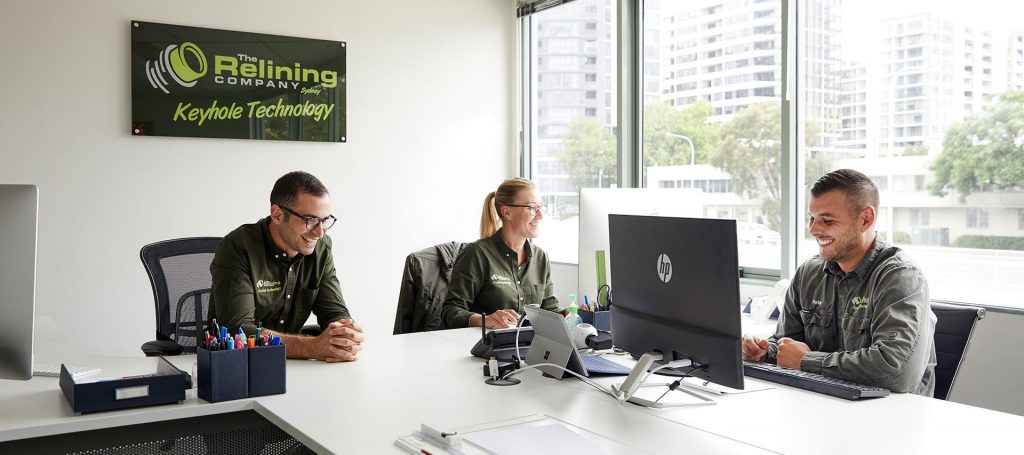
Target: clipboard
(537, 434)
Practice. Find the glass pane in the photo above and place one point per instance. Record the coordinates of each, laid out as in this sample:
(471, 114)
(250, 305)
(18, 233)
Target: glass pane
(573, 114)
(924, 97)
(712, 122)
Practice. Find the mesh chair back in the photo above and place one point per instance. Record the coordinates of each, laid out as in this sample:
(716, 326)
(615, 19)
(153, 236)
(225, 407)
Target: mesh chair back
(179, 271)
(953, 332)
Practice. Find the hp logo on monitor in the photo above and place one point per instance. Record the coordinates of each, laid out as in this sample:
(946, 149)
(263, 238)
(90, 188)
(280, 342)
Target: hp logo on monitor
(664, 268)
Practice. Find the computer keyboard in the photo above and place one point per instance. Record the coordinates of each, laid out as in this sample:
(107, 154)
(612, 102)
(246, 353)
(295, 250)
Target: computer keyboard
(596, 364)
(53, 369)
(813, 382)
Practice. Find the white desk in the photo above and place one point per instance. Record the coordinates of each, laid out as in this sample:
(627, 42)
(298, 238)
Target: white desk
(403, 381)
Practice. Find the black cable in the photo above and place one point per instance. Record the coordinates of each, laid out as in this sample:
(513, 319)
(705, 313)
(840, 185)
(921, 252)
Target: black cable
(607, 298)
(675, 385)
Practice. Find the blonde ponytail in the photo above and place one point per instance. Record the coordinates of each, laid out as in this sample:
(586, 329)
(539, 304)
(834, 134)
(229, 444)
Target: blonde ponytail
(489, 220)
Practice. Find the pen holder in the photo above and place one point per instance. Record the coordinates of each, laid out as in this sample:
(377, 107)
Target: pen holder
(601, 320)
(267, 370)
(223, 375)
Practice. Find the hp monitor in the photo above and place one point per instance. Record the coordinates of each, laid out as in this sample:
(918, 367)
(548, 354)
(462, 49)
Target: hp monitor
(18, 217)
(676, 287)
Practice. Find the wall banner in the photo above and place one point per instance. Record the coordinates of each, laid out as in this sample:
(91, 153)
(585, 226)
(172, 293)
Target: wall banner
(201, 82)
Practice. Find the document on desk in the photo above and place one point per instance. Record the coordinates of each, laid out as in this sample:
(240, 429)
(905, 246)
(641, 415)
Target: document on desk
(531, 435)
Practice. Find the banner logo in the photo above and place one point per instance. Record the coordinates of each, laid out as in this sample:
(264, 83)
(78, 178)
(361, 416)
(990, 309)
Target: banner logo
(202, 82)
(184, 64)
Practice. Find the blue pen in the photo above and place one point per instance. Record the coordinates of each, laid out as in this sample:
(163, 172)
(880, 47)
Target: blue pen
(586, 303)
(223, 333)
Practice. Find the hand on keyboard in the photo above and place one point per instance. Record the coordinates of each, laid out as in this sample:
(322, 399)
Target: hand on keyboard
(791, 352)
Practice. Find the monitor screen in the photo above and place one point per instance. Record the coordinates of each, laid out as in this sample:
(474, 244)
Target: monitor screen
(675, 286)
(19, 206)
(597, 203)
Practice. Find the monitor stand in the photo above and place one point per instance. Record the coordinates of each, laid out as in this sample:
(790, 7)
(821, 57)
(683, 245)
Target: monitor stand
(627, 390)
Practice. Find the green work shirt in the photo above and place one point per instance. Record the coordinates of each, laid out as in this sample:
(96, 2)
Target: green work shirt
(487, 277)
(255, 281)
(873, 325)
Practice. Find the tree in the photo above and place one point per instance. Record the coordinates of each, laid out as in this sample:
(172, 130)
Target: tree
(660, 149)
(984, 152)
(750, 151)
(588, 152)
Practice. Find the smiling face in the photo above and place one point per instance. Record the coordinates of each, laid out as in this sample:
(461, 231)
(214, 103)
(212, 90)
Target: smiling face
(843, 236)
(290, 232)
(518, 221)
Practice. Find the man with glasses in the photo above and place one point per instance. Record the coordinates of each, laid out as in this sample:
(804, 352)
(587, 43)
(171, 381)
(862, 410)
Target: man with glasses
(274, 273)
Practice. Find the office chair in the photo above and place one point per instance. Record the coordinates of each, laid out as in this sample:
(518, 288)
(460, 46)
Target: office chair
(179, 271)
(424, 287)
(953, 332)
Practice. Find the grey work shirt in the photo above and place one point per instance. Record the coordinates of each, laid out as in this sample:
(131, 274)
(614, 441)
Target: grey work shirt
(255, 281)
(873, 325)
(487, 277)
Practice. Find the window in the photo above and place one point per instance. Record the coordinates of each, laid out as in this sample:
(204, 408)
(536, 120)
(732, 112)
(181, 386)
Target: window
(977, 218)
(874, 90)
(918, 212)
(572, 139)
(919, 217)
(700, 101)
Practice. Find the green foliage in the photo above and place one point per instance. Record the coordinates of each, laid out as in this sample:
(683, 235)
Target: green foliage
(660, 149)
(984, 152)
(589, 154)
(750, 150)
(990, 242)
(589, 148)
(899, 237)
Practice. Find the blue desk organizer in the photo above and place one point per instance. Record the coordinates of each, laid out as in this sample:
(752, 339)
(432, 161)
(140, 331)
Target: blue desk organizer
(601, 320)
(223, 375)
(241, 373)
(267, 369)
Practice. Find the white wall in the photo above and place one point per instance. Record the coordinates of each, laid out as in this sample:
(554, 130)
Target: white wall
(430, 130)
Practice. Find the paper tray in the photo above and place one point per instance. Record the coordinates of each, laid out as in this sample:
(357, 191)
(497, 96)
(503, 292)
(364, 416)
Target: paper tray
(166, 385)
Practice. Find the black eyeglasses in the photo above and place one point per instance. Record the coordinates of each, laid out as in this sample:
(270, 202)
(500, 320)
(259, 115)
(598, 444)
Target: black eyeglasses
(533, 208)
(312, 221)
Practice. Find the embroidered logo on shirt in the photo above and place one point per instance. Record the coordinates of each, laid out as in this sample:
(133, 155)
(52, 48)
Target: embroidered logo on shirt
(498, 280)
(860, 303)
(265, 286)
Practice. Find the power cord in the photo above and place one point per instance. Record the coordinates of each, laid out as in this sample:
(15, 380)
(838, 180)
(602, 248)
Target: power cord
(677, 382)
(581, 377)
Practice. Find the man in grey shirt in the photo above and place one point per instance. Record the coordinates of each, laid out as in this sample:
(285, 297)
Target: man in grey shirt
(858, 310)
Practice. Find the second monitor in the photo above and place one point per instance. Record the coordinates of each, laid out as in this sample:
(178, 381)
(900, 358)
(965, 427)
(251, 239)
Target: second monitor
(676, 286)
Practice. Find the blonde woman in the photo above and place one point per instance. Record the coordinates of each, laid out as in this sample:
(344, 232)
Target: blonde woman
(502, 272)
